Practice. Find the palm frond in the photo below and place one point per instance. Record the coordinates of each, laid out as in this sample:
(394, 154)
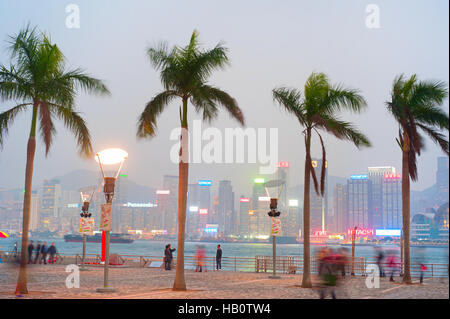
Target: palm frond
(147, 119)
(436, 137)
(290, 99)
(206, 98)
(47, 128)
(7, 118)
(77, 125)
(324, 161)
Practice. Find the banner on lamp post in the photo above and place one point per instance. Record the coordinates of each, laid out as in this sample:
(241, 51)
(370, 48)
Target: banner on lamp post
(86, 226)
(276, 226)
(105, 220)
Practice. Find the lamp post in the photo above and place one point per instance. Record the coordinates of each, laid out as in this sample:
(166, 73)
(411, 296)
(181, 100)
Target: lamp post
(108, 157)
(274, 214)
(84, 215)
(401, 252)
(353, 250)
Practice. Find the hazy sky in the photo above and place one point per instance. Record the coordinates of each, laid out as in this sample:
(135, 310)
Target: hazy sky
(271, 43)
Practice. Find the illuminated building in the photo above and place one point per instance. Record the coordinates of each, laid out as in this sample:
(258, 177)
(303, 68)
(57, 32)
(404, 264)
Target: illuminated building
(340, 208)
(50, 202)
(359, 201)
(392, 201)
(34, 211)
(376, 176)
(226, 214)
(167, 200)
(318, 204)
(244, 225)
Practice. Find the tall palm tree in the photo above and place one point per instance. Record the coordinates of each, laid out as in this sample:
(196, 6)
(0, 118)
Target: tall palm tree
(36, 79)
(317, 111)
(416, 106)
(184, 74)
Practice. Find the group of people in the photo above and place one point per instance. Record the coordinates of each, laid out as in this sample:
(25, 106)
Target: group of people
(200, 258)
(43, 253)
(332, 266)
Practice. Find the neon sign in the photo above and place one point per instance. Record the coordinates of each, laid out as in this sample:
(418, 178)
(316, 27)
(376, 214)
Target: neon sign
(205, 182)
(320, 233)
(283, 164)
(244, 200)
(193, 208)
(293, 203)
(162, 192)
(362, 176)
(264, 199)
(259, 180)
(139, 205)
(360, 232)
(392, 176)
(387, 232)
(203, 211)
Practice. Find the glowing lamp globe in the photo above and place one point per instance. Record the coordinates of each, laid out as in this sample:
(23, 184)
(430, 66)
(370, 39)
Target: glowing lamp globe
(111, 156)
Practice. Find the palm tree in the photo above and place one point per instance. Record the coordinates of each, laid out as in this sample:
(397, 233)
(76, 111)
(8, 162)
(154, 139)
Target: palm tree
(317, 111)
(184, 74)
(415, 105)
(37, 79)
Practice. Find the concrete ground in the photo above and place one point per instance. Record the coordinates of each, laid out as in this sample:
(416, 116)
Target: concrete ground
(49, 282)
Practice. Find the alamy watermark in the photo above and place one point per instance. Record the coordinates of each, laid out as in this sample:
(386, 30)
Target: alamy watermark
(373, 17)
(73, 279)
(73, 17)
(373, 276)
(259, 144)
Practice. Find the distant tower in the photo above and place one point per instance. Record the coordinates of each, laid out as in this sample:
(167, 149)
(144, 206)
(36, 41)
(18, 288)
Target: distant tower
(376, 176)
(392, 201)
(359, 201)
(442, 179)
(318, 204)
(226, 208)
(340, 208)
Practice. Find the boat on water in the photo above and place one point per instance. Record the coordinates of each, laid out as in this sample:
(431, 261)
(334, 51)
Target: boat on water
(97, 238)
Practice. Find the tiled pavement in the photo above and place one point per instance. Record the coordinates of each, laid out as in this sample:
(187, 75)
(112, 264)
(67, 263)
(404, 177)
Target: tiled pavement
(49, 281)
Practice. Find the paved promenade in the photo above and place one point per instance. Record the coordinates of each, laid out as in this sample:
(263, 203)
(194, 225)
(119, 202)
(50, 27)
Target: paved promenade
(49, 281)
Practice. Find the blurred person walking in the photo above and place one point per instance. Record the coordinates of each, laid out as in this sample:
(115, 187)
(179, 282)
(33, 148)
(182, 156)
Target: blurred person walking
(380, 256)
(328, 275)
(219, 258)
(423, 268)
(393, 264)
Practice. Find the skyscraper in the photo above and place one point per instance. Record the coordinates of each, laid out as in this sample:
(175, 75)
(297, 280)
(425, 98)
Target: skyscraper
(340, 208)
(50, 203)
(359, 201)
(392, 201)
(169, 200)
(376, 176)
(244, 224)
(227, 220)
(318, 204)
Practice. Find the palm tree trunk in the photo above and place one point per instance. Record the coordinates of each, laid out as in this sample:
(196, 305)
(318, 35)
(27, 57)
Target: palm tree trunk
(306, 279)
(21, 287)
(406, 210)
(183, 169)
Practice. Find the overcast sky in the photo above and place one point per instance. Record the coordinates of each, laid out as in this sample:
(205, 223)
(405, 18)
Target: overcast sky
(271, 43)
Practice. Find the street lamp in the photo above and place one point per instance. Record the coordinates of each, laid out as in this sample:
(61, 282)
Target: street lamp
(111, 156)
(86, 223)
(276, 223)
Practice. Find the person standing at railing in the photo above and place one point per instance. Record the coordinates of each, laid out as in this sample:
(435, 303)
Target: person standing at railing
(52, 253)
(168, 257)
(30, 252)
(38, 251)
(43, 253)
(423, 268)
(219, 258)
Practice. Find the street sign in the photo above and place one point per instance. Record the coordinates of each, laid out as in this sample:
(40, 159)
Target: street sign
(276, 226)
(86, 226)
(105, 220)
